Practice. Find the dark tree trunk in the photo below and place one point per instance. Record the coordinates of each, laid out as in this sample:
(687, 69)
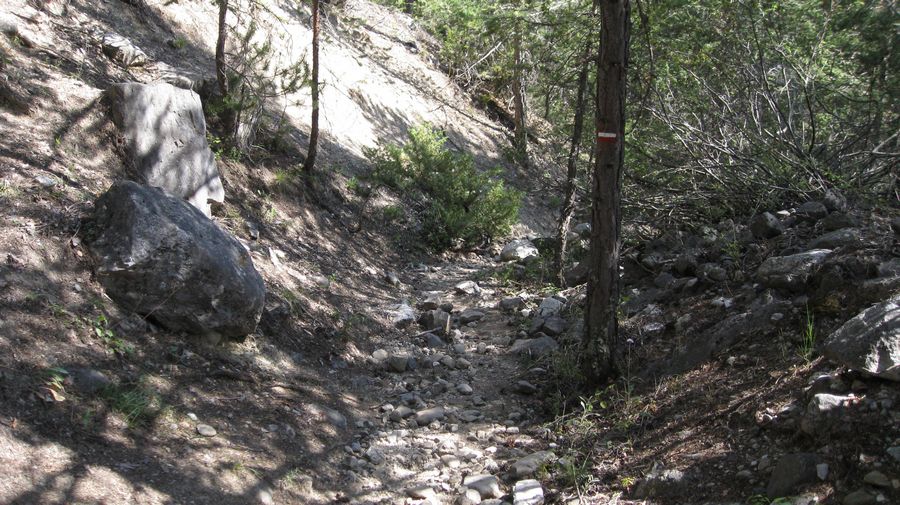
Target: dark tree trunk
(600, 323)
(314, 128)
(568, 205)
(221, 71)
(521, 134)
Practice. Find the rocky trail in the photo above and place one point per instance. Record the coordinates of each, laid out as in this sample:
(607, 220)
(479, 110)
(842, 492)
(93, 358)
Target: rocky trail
(454, 415)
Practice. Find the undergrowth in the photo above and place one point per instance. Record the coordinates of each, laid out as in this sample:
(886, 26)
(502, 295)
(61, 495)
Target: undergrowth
(462, 205)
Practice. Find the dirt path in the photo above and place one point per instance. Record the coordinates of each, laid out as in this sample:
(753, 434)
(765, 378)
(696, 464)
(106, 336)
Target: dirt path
(460, 414)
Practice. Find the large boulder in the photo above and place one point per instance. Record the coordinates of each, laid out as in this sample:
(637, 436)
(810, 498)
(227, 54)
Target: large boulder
(870, 342)
(790, 272)
(766, 225)
(161, 257)
(519, 250)
(165, 135)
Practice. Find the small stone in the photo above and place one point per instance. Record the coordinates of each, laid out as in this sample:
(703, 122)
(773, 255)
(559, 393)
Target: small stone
(464, 389)
(529, 465)
(450, 461)
(400, 413)
(422, 493)
(398, 363)
(877, 479)
(192, 416)
(526, 388)
(433, 341)
(822, 471)
(380, 355)
(858, 497)
(469, 497)
(392, 278)
(467, 288)
(528, 492)
(427, 416)
(510, 304)
(470, 316)
(487, 485)
(206, 430)
(46, 181)
(812, 211)
(766, 225)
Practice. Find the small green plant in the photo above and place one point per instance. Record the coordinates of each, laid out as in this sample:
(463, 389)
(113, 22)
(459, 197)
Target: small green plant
(392, 213)
(53, 388)
(109, 338)
(462, 204)
(355, 186)
(221, 149)
(627, 481)
(136, 403)
(808, 337)
(178, 43)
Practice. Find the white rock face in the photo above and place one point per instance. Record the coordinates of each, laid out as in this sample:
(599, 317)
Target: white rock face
(870, 342)
(165, 134)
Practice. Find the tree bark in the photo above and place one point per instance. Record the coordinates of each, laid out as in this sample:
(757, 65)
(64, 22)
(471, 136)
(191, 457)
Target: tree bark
(521, 135)
(221, 71)
(568, 205)
(314, 127)
(600, 321)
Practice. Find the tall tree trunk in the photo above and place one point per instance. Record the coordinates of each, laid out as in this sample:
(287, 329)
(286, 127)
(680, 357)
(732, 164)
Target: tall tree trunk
(568, 205)
(314, 128)
(221, 71)
(229, 116)
(521, 135)
(600, 322)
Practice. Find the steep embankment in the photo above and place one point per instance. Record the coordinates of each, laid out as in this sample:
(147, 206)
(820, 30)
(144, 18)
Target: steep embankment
(98, 405)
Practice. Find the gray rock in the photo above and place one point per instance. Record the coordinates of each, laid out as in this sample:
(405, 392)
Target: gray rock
(529, 465)
(583, 230)
(487, 485)
(380, 355)
(464, 389)
(894, 452)
(206, 430)
(528, 492)
(553, 326)
(846, 237)
(790, 272)
(434, 341)
(890, 268)
(470, 316)
(660, 482)
(870, 342)
(400, 413)
(512, 303)
(877, 479)
(834, 201)
(895, 225)
(470, 416)
(534, 346)
(427, 416)
(161, 257)
(712, 272)
(811, 211)
(664, 280)
(550, 306)
(469, 497)
(686, 264)
(89, 381)
(519, 250)
(391, 278)
(525, 388)
(467, 288)
(858, 497)
(123, 51)
(577, 275)
(436, 320)
(432, 301)
(397, 363)
(403, 315)
(838, 220)
(165, 134)
(422, 493)
(766, 225)
(792, 472)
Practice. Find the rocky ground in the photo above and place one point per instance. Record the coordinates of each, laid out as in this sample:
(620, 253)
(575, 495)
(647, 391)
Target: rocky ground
(381, 374)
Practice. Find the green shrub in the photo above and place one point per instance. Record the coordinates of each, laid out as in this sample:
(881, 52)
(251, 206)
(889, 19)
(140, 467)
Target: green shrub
(462, 204)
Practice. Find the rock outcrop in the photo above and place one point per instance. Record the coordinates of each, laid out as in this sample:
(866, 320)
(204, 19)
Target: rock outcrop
(161, 257)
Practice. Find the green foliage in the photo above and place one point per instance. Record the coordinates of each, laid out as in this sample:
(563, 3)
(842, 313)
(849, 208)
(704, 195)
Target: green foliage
(115, 344)
(808, 337)
(136, 403)
(461, 203)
